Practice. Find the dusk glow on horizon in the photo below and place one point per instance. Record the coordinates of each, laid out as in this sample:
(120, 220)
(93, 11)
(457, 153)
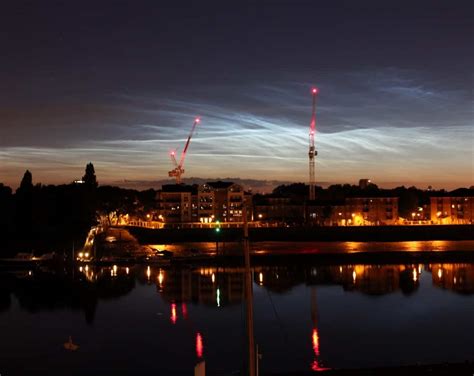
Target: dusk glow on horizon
(397, 109)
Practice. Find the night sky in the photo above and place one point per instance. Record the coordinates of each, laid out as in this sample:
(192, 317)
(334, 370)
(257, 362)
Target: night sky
(119, 84)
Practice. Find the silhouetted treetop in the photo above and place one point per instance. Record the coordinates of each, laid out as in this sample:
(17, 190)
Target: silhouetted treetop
(295, 189)
(26, 184)
(89, 178)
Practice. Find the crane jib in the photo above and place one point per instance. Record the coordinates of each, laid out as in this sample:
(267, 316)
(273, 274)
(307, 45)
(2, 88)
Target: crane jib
(183, 155)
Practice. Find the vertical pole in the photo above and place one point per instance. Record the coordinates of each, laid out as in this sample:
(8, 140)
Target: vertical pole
(249, 298)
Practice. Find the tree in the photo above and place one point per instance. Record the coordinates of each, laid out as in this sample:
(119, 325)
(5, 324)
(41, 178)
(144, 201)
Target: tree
(23, 210)
(292, 190)
(89, 178)
(26, 184)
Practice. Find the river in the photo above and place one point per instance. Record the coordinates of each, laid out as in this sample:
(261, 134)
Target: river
(146, 319)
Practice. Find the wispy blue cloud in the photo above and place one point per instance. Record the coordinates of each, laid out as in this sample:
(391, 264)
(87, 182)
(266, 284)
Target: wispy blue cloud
(389, 125)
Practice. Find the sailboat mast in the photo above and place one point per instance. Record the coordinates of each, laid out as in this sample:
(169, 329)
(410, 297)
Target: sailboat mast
(249, 298)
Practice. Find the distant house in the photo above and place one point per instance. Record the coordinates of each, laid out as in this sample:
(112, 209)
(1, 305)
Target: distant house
(356, 211)
(452, 210)
(278, 208)
(206, 203)
(175, 202)
(371, 210)
(228, 200)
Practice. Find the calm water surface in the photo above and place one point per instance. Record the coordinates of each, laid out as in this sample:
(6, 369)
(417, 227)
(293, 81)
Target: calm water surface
(164, 320)
(323, 247)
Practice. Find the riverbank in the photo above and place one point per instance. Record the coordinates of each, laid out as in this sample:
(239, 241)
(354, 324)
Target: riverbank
(297, 234)
(136, 245)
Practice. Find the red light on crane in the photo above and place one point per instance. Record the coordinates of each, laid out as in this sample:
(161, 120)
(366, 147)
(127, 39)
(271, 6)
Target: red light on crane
(314, 90)
(197, 120)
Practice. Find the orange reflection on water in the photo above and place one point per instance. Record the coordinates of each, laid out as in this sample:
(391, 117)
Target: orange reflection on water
(315, 364)
(174, 316)
(184, 310)
(199, 345)
(315, 338)
(316, 367)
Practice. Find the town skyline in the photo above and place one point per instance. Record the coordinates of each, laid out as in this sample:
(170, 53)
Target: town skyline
(255, 185)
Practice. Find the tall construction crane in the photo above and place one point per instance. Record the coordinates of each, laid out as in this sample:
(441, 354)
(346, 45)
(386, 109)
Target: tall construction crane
(178, 167)
(312, 149)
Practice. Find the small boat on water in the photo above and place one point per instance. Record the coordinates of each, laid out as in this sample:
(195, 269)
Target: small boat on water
(69, 345)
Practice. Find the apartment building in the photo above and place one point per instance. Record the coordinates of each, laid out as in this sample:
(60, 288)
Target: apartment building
(452, 210)
(206, 203)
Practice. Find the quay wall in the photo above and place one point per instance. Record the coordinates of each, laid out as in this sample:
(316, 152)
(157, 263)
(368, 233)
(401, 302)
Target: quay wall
(356, 234)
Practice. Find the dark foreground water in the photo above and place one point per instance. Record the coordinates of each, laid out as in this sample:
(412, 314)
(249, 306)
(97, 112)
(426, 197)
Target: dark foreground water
(141, 319)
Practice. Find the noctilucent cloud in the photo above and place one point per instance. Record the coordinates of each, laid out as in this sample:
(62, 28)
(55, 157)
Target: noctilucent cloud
(120, 83)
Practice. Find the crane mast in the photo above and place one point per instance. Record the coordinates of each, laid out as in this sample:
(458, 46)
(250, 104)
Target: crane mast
(312, 149)
(178, 170)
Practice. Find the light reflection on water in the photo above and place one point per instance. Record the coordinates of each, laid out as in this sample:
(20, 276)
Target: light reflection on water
(319, 247)
(329, 316)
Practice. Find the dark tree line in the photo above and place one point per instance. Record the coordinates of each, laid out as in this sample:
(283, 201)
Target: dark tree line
(43, 218)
